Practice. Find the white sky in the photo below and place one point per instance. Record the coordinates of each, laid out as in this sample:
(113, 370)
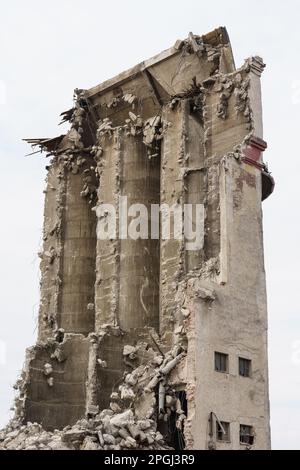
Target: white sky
(49, 48)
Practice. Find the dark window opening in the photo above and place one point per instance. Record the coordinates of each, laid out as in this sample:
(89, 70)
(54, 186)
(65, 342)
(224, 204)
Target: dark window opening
(171, 425)
(246, 434)
(223, 433)
(221, 362)
(244, 367)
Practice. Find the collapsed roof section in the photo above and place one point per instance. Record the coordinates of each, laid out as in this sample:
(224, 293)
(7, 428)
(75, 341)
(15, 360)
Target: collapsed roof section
(136, 96)
(156, 81)
(152, 83)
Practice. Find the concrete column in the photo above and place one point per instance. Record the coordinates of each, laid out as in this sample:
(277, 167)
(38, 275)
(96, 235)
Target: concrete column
(183, 181)
(75, 303)
(172, 194)
(108, 251)
(50, 284)
(127, 292)
(195, 185)
(139, 266)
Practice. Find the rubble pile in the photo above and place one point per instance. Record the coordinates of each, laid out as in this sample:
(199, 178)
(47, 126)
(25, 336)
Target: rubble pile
(142, 401)
(106, 431)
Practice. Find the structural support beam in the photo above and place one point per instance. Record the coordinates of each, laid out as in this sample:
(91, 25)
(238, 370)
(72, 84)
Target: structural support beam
(127, 287)
(76, 311)
(172, 194)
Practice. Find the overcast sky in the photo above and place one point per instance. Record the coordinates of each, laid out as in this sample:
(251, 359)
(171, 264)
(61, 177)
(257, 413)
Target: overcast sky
(49, 48)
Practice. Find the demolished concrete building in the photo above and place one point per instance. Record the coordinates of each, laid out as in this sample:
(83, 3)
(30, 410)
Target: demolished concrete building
(143, 343)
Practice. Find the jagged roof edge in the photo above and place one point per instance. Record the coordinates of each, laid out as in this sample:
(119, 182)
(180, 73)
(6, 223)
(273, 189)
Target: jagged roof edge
(216, 37)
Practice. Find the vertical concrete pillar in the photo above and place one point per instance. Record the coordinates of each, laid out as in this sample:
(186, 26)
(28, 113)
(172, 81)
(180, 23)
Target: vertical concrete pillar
(195, 177)
(68, 257)
(76, 300)
(108, 250)
(139, 266)
(173, 155)
(127, 287)
(51, 284)
(183, 181)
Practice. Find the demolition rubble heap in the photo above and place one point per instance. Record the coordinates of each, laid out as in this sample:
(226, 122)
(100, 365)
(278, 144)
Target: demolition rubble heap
(129, 329)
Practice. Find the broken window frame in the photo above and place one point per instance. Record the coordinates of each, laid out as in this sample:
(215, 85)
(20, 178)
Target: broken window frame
(223, 359)
(246, 434)
(223, 431)
(245, 367)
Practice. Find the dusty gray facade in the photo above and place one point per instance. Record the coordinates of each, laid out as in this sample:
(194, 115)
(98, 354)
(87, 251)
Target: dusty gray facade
(147, 344)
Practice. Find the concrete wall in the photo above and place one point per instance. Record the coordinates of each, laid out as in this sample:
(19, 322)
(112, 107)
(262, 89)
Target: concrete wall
(235, 323)
(50, 265)
(139, 263)
(68, 256)
(172, 194)
(61, 402)
(127, 287)
(76, 301)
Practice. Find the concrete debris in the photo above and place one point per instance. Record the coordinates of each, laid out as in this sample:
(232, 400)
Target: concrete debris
(206, 294)
(101, 432)
(130, 379)
(152, 135)
(97, 152)
(166, 368)
(89, 189)
(226, 88)
(102, 364)
(132, 116)
(179, 44)
(117, 100)
(74, 137)
(59, 354)
(129, 351)
(92, 410)
(161, 396)
(122, 419)
(152, 130)
(210, 269)
(121, 424)
(196, 43)
(242, 103)
(114, 396)
(50, 381)
(129, 98)
(157, 360)
(49, 255)
(114, 103)
(115, 407)
(179, 330)
(133, 125)
(127, 393)
(105, 126)
(48, 369)
(185, 312)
